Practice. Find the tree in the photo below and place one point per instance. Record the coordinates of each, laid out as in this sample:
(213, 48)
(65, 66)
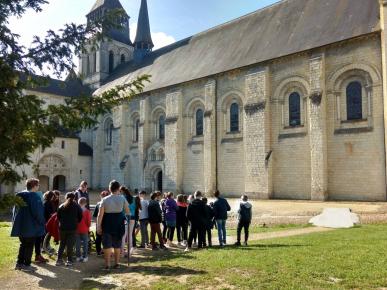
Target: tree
(24, 122)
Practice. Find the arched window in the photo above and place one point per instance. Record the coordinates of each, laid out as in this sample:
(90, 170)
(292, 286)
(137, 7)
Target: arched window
(109, 131)
(123, 58)
(199, 122)
(294, 109)
(94, 62)
(234, 118)
(354, 101)
(111, 61)
(153, 155)
(136, 130)
(161, 127)
(160, 155)
(87, 65)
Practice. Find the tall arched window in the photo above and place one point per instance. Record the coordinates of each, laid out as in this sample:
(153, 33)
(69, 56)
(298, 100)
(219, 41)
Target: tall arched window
(234, 118)
(354, 101)
(94, 62)
(87, 65)
(136, 130)
(123, 58)
(294, 109)
(199, 122)
(109, 131)
(161, 127)
(111, 61)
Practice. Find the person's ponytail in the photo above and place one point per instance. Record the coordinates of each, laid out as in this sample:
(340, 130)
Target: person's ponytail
(70, 197)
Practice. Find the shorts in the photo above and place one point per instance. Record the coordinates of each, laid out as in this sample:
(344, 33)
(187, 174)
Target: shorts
(109, 241)
(171, 224)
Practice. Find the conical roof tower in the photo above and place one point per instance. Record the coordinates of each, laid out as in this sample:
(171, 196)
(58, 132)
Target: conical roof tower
(143, 43)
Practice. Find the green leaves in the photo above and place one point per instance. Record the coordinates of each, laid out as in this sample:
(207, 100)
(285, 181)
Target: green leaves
(26, 123)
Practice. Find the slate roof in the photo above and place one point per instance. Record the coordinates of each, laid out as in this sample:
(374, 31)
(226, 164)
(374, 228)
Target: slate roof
(110, 4)
(84, 149)
(71, 87)
(284, 28)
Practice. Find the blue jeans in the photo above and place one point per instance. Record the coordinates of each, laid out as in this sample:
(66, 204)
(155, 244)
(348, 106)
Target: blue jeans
(221, 225)
(82, 240)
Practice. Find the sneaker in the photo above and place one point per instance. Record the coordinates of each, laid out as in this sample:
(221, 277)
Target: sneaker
(85, 259)
(116, 266)
(106, 268)
(28, 268)
(79, 259)
(39, 259)
(162, 247)
(18, 266)
(186, 250)
(245, 244)
(59, 263)
(69, 264)
(155, 249)
(224, 242)
(237, 244)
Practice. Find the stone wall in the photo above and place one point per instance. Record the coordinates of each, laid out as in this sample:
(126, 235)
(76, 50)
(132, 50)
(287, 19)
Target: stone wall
(323, 157)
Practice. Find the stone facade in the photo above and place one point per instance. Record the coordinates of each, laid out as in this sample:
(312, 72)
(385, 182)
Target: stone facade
(326, 156)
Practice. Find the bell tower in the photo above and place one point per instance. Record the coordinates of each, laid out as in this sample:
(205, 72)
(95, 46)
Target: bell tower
(97, 64)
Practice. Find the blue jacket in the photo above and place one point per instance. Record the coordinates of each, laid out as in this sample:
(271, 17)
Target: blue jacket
(28, 221)
(221, 207)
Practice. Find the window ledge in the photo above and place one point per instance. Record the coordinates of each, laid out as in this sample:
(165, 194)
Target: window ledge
(358, 130)
(232, 139)
(233, 133)
(108, 149)
(291, 135)
(134, 146)
(353, 121)
(294, 127)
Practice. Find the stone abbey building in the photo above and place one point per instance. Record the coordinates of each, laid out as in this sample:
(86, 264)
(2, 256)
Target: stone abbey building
(285, 102)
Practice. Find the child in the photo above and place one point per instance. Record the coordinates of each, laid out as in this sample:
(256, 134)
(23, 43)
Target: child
(83, 231)
(170, 217)
(69, 215)
(181, 220)
(98, 239)
(144, 220)
(209, 222)
(155, 218)
(244, 219)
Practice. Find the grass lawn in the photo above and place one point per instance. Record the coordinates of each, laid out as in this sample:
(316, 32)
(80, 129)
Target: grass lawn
(342, 259)
(8, 247)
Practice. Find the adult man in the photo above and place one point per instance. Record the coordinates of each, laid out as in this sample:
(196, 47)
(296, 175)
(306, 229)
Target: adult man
(221, 207)
(28, 223)
(82, 192)
(197, 216)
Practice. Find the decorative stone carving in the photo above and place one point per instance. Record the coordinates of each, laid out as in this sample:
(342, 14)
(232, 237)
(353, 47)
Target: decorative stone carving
(315, 97)
(253, 108)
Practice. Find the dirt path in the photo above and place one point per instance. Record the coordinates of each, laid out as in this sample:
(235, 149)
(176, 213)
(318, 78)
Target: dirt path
(49, 276)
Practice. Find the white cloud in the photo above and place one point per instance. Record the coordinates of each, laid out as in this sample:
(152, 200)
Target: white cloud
(160, 39)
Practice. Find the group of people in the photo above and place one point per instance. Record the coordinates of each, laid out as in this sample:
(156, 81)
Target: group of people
(120, 216)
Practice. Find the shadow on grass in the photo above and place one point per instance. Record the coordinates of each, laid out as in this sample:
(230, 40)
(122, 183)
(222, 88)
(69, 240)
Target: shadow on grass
(254, 247)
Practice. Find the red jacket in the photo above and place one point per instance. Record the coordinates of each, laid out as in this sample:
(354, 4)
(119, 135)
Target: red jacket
(52, 227)
(84, 225)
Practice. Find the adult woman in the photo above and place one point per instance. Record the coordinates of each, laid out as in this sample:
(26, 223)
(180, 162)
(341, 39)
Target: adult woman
(131, 220)
(110, 223)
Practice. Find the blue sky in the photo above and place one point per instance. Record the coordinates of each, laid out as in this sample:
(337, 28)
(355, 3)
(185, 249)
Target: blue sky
(170, 20)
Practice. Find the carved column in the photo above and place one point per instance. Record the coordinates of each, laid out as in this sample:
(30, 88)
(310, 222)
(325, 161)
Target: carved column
(317, 129)
(173, 177)
(258, 177)
(210, 137)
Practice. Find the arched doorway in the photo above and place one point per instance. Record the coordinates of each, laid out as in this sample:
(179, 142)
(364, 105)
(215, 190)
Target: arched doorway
(159, 181)
(59, 183)
(44, 182)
